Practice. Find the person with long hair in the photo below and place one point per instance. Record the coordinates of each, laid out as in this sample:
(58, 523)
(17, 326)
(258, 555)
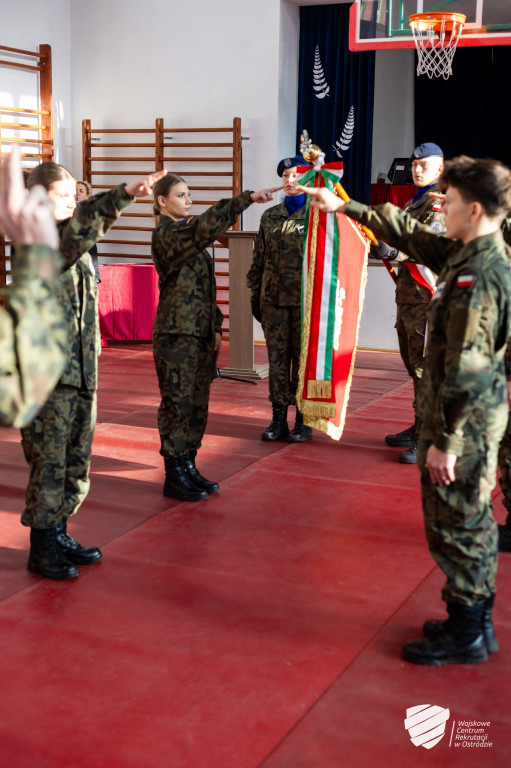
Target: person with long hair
(187, 327)
(57, 444)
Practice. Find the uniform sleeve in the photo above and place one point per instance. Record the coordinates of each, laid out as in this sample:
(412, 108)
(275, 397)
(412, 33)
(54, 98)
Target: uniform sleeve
(90, 222)
(402, 231)
(32, 340)
(255, 273)
(475, 325)
(219, 316)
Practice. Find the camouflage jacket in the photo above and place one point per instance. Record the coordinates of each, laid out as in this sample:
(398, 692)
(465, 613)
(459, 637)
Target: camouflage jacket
(187, 304)
(427, 211)
(33, 339)
(76, 288)
(469, 324)
(276, 272)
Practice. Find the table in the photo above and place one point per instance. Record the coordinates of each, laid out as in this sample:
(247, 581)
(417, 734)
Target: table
(128, 297)
(399, 194)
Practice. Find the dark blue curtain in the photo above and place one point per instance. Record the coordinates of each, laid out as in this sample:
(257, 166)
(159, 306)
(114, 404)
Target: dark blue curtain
(336, 93)
(466, 114)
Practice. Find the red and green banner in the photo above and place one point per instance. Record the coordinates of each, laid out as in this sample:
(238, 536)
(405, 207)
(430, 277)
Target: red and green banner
(333, 289)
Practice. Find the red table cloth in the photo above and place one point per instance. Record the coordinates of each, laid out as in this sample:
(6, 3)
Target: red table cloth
(128, 297)
(399, 194)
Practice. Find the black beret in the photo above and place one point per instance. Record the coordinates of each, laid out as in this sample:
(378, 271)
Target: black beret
(426, 150)
(290, 162)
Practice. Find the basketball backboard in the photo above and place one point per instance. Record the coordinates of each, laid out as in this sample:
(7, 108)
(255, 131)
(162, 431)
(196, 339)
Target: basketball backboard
(376, 24)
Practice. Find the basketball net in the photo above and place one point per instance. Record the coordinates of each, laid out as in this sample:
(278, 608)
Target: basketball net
(436, 36)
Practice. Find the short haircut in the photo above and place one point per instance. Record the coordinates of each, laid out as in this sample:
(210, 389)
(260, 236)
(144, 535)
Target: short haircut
(484, 181)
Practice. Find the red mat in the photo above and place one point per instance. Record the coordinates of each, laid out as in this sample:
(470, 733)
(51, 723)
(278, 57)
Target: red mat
(261, 627)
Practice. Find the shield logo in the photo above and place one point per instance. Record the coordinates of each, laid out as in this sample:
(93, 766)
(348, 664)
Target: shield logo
(426, 724)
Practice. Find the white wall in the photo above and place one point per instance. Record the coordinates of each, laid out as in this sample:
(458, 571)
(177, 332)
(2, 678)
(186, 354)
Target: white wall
(26, 25)
(194, 63)
(379, 315)
(393, 122)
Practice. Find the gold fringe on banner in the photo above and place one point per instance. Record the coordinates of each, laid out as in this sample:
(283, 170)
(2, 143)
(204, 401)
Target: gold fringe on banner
(319, 388)
(318, 410)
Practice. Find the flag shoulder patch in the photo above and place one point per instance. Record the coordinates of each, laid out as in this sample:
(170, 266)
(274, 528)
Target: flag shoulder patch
(464, 281)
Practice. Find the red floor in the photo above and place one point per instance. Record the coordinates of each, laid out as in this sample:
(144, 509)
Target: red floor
(261, 627)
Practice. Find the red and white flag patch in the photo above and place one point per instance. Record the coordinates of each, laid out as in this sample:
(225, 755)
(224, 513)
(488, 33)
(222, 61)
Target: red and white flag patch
(465, 281)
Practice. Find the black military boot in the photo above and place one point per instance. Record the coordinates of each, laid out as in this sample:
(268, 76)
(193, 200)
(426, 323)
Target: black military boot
(191, 470)
(178, 484)
(278, 427)
(73, 550)
(46, 557)
(402, 439)
(410, 455)
(434, 627)
(462, 642)
(300, 433)
(504, 538)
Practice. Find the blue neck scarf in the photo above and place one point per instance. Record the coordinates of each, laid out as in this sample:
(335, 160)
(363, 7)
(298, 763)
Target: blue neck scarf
(294, 202)
(421, 191)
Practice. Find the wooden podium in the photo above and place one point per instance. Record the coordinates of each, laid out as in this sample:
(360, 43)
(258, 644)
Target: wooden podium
(241, 324)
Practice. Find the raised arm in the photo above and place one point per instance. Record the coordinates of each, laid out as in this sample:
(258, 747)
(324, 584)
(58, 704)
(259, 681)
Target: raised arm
(393, 225)
(93, 217)
(32, 331)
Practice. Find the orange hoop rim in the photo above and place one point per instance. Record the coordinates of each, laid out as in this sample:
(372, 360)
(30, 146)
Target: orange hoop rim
(437, 21)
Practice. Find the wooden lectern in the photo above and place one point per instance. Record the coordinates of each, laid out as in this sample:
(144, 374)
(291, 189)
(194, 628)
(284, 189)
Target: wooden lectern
(241, 324)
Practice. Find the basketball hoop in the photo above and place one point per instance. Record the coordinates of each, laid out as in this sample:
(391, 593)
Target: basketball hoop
(436, 36)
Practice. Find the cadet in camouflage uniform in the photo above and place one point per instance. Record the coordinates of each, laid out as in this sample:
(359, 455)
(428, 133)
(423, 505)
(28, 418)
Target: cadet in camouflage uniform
(32, 330)
(57, 444)
(415, 284)
(505, 443)
(275, 282)
(463, 399)
(187, 326)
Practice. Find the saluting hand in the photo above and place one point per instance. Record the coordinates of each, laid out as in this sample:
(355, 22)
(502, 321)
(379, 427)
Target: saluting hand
(264, 195)
(144, 186)
(25, 219)
(323, 199)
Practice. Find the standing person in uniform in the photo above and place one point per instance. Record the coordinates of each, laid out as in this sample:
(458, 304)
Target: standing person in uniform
(505, 443)
(32, 329)
(275, 281)
(57, 444)
(187, 326)
(415, 284)
(463, 400)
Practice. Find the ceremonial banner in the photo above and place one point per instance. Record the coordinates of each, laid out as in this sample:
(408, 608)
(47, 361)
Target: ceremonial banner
(333, 289)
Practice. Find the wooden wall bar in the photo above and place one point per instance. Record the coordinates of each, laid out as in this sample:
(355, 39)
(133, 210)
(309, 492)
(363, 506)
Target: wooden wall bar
(208, 158)
(30, 128)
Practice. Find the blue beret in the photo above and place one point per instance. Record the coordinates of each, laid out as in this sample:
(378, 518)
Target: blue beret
(426, 150)
(290, 162)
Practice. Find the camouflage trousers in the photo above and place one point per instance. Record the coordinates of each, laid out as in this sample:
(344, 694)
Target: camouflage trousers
(505, 469)
(282, 331)
(411, 332)
(460, 527)
(57, 447)
(185, 366)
